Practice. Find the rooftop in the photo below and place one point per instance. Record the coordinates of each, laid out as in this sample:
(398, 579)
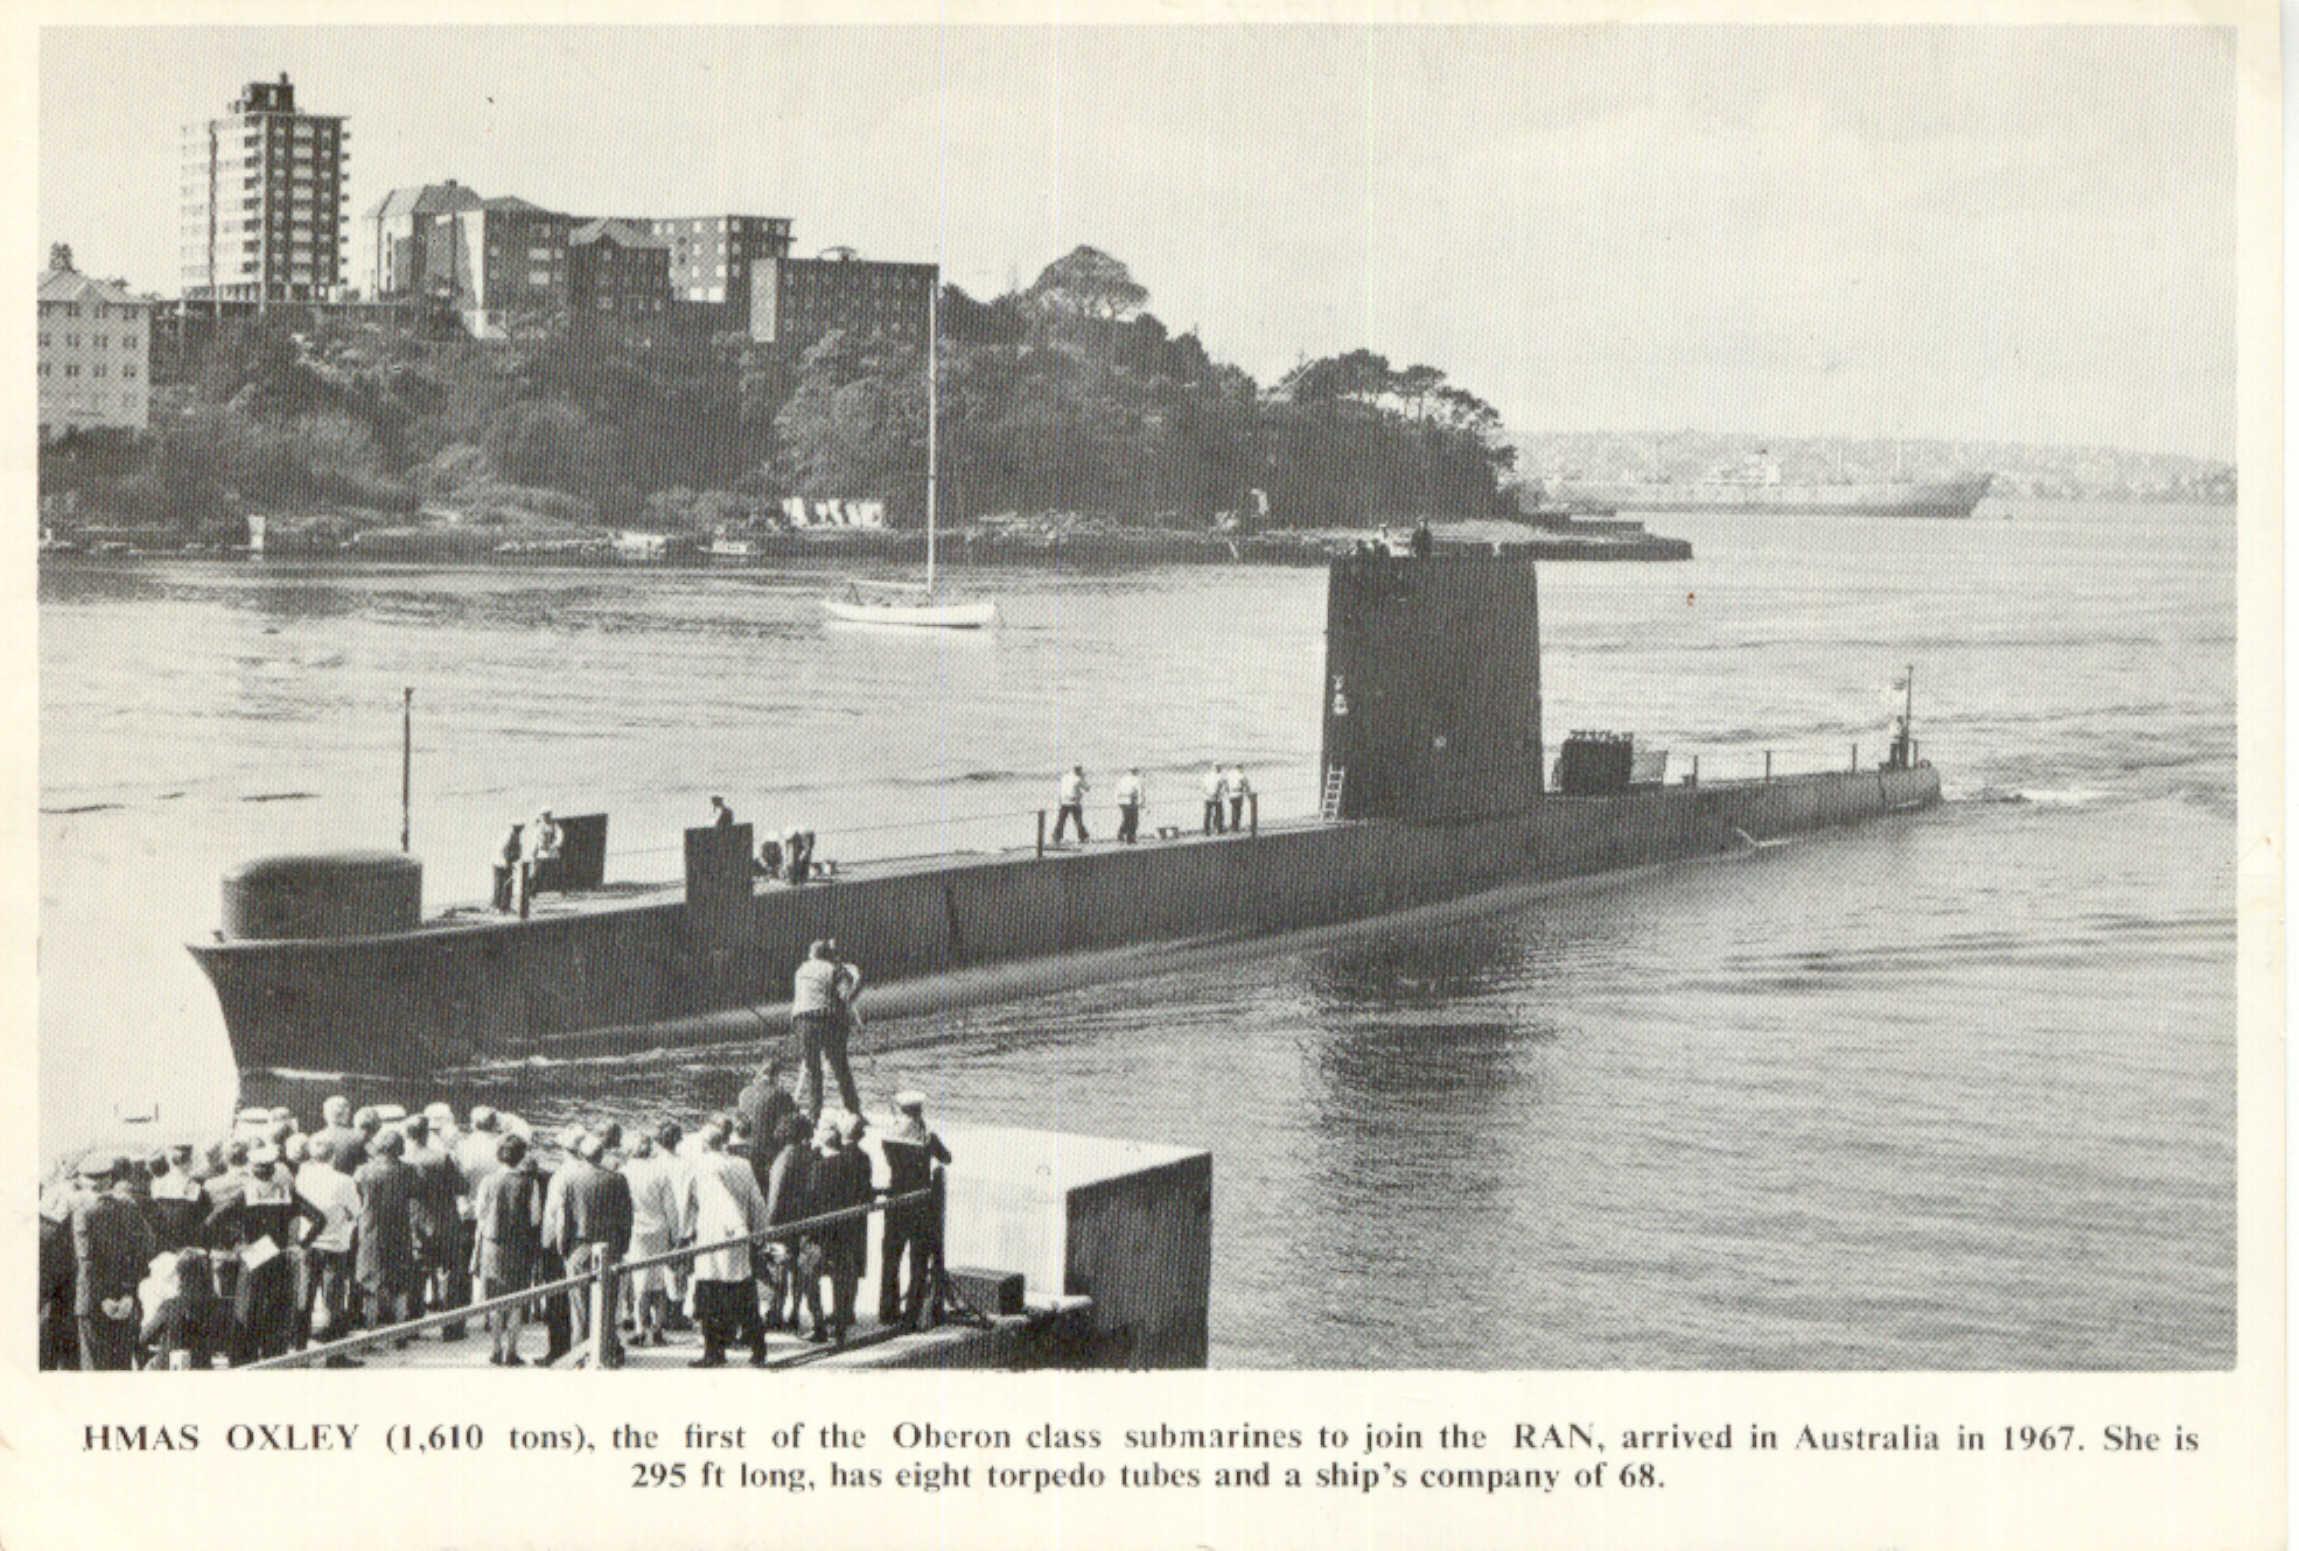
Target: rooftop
(621, 233)
(427, 199)
(69, 285)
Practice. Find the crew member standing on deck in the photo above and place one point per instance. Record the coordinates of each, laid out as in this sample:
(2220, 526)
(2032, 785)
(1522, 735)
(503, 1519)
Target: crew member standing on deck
(1216, 790)
(1130, 806)
(1240, 792)
(507, 868)
(722, 816)
(1070, 796)
(822, 996)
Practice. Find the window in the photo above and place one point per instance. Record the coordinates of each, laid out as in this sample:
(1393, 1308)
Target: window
(98, 372)
(72, 340)
(43, 341)
(128, 372)
(71, 371)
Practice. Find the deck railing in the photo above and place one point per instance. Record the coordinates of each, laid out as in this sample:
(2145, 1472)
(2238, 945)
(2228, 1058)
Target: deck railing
(601, 1285)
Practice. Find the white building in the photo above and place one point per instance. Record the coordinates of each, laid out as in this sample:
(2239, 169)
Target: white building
(95, 353)
(263, 201)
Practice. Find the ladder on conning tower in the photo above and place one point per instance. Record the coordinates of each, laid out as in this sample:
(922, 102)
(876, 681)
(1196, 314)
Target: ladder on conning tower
(1330, 808)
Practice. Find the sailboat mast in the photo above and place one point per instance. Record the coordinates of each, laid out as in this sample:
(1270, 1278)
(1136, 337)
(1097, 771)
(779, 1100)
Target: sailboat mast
(933, 419)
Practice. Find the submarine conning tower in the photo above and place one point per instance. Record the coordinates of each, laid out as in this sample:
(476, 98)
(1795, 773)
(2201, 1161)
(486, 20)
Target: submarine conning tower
(1432, 687)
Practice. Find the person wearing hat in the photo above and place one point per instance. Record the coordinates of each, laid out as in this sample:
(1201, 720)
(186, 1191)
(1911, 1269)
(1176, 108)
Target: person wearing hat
(177, 1206)
(385, 1258)
(721, 1202)
(544, 833)
(262, 1229)
(842, 1180)
(789, 1194)
(112, 1246)
(822, 993)
(913, 1152)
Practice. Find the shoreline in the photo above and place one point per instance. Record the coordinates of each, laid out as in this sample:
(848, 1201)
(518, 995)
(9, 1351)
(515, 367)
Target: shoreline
(978, 545)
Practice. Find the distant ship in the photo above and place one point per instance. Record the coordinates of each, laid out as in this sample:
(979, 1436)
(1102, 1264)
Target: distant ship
(1756, 486)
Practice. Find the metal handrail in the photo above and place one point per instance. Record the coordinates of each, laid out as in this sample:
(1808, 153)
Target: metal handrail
(599, 1280)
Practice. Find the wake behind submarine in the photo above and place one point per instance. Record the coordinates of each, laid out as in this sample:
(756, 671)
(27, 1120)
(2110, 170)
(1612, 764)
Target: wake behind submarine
(1432, 773)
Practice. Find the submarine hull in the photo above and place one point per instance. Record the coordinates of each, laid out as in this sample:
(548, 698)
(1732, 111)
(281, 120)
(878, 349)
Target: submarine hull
(632, 976)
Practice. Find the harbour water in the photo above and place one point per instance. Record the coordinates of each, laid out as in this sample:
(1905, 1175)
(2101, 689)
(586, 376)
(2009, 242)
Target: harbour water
(1950, 1091)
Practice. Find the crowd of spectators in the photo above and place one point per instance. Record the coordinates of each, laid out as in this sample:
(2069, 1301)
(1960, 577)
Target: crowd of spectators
(274, 1238)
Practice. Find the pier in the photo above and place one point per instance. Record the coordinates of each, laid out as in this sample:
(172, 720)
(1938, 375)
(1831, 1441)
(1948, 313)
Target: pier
(1109, 1240)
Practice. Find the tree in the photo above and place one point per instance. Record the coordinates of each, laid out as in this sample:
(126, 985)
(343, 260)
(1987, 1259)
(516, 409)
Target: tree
(1086, 282)
(855, 426)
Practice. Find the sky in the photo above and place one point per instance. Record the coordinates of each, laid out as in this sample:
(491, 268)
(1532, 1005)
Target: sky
(2016, 233)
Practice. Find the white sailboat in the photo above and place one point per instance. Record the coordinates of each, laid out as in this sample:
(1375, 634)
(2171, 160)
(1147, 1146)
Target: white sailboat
(908, 605)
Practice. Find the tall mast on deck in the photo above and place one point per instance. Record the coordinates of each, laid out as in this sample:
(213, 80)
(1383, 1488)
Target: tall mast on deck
(933, 444)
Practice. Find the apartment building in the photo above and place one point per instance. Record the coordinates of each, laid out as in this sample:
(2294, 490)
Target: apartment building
(263, 201)
(795, 302)
(395, 236)
(497, 259)
(711, 256)
(95, 353)
(617, 269)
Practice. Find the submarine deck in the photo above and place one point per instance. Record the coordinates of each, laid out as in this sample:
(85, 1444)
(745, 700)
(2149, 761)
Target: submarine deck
(558, 905)
(625, 895)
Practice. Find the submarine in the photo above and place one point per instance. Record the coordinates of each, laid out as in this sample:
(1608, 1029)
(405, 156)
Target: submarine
(1434, 793)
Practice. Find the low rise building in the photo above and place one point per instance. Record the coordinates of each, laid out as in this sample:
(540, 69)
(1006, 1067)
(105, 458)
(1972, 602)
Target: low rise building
(95, 353)
(617, 270)
(712, 256)
(498, 259)
(796, 302)
(395, 236)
